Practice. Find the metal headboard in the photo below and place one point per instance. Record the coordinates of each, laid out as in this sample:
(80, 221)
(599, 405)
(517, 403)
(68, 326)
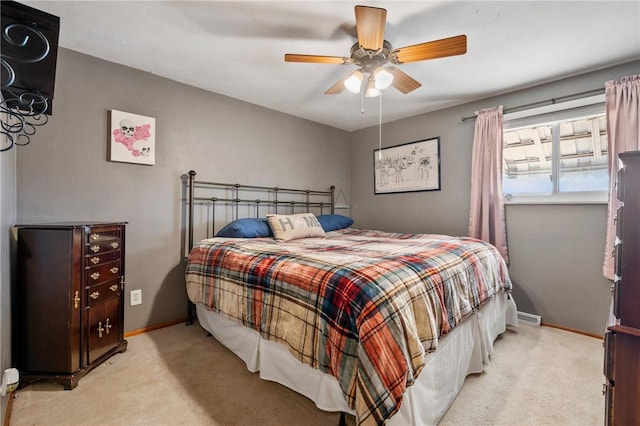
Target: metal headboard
(212, 196)
(271, 200)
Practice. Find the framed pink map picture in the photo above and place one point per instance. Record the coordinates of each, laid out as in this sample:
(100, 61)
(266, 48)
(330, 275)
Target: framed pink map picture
(133, 138)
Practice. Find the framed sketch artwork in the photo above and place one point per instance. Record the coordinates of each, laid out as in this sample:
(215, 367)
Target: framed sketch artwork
(133, 138)
(413, 166)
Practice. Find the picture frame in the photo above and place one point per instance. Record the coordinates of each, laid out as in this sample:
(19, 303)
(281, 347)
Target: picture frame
(132, 138)
(408, 167)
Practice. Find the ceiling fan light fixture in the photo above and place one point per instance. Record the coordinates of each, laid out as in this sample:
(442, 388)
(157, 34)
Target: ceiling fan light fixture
(371, 52)
(383, 78)
(354, 82)
(372, 90)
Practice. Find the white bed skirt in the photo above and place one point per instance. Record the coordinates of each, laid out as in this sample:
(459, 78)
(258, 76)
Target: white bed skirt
(462, 352)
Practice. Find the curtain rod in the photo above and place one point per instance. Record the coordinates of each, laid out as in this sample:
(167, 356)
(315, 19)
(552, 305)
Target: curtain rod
(551, 101)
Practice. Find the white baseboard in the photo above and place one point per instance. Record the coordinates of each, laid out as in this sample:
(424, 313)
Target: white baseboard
(529, 319)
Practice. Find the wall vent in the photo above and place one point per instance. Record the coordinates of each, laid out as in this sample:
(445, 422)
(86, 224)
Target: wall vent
(529, 319)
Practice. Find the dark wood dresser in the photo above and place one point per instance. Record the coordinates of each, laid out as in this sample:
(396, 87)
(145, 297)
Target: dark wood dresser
(622, 341)
(67, 299)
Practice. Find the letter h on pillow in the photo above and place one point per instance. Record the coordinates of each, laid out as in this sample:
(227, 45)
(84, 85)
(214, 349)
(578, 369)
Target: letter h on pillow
(294, 226)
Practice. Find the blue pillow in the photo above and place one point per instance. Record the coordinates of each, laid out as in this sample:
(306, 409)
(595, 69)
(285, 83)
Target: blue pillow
(331, 222)
(246, 228)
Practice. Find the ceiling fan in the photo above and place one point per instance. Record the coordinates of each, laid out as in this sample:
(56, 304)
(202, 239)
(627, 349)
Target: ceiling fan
(372, 54)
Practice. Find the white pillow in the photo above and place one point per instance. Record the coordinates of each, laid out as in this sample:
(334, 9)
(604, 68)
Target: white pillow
(287, 227)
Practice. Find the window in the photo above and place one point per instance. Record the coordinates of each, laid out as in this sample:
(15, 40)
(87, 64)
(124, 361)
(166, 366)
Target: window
(559, 157)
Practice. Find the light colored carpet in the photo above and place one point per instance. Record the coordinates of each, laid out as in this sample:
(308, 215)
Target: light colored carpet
(179, 376)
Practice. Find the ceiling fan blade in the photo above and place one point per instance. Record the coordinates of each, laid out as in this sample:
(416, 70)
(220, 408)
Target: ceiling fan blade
(370, 22)
(318, 59)
(336, 88)
(433, 49)
(402, 81)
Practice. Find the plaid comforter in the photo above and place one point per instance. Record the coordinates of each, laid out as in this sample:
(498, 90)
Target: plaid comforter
(363, 306)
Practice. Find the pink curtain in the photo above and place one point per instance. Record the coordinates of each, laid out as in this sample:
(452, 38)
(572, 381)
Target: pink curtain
(486, 219)
(623, 126)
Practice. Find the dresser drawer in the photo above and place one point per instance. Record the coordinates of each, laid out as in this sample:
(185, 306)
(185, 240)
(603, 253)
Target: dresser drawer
(620, 185)
(615, 294)
(104, 272)
(101, 292)
(609, 355)
(104, 246)
(103, 239)
(102, 233)
(100, 258)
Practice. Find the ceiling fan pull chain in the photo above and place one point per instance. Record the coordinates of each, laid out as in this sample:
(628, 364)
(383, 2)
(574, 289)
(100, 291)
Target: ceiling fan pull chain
(380, 129)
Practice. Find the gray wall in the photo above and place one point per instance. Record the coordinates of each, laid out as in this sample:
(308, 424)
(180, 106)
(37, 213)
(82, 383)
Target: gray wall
(556, 250)
(64, 174)
(7, 220)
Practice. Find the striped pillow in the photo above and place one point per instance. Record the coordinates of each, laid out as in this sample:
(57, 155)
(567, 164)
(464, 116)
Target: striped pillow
(294, 226)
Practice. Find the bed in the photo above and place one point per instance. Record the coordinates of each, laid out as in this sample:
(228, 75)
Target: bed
(383, 326)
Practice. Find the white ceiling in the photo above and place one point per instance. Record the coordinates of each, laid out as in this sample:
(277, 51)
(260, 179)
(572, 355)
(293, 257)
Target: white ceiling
(237, 48)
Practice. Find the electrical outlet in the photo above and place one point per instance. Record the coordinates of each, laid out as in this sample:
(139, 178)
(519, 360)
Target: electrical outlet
(136, 297)
(10, 380)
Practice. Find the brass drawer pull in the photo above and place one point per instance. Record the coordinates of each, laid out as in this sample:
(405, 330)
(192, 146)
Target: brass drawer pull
(107, 326)
(95, 275)
(100, 329)
(115, 245)
(114, 287)
(76, 299)
(95, 260)
(94, 237)
(94, 295)
(114, 270)
(95, 248)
